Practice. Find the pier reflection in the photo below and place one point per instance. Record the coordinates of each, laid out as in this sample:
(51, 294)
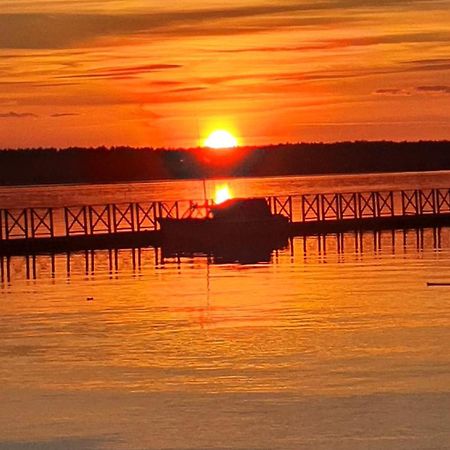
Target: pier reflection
(316, 249)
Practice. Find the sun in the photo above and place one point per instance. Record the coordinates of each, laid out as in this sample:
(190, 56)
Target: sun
(221, 139)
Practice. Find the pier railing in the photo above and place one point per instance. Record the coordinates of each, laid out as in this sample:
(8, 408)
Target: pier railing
(31, 223)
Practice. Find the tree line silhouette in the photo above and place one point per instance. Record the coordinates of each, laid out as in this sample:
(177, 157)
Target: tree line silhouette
(123, 164)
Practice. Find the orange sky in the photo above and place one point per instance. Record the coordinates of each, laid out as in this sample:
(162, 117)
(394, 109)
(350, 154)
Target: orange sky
(148, 73)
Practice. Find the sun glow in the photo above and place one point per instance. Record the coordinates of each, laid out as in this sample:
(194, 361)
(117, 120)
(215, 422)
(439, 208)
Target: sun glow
(222, 194)
(221, 139)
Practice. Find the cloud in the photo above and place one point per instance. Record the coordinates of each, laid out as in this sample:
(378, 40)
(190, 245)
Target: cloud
(399, 68)
(188, 89)
(56, 31)
(434, 89)
(123, 72)
(430, 67)
(16, 115)
(438, 89)
(64, 114)
(60, 30)
(392, 92)
(437, 64)
(408, 38)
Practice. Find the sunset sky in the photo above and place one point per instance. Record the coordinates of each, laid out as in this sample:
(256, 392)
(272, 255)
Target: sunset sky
(153, 73)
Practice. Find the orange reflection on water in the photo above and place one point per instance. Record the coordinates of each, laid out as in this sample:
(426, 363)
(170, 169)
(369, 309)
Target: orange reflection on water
(320, 322)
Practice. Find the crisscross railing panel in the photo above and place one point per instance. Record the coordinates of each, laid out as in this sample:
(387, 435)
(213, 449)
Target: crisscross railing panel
(427, 201)
(385, 204)
(41, 222)
(310, 205)
(366, 204)
(168, 210)
(146, 216)
(443, 200)
(410, 203)
(348, 206)
(99, 219)
(75, 219)
(123, 217)
(16, 223)
(329, 205)
(281, 205)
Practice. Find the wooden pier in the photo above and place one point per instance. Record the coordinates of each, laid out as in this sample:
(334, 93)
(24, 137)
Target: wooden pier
(132, 225)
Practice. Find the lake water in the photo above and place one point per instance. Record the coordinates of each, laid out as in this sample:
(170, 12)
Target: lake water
(69, 195)
(332, 343)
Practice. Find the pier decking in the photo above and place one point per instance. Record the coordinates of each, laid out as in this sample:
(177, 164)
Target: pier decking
(47, 230)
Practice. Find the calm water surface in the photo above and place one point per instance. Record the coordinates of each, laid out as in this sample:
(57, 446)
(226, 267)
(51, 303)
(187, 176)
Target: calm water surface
(68, 195)
(325, 346)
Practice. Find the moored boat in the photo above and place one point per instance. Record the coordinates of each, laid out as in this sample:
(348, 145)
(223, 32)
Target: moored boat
(232, 223)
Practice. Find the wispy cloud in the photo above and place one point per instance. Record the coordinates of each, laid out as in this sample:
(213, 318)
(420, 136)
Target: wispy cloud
(392, 92)
(123, 72)
(16, 115)
(189, 89)
(434, 89)
(56, 115)
(53, 31)
(426, 66)
(408, 38)
(62, 30)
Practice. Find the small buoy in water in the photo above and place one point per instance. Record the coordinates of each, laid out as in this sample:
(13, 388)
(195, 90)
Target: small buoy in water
(89, 299)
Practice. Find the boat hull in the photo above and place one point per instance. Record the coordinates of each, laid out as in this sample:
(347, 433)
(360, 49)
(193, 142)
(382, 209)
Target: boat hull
(209, 235)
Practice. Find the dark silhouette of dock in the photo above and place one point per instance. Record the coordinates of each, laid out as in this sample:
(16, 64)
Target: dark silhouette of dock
(133, 225)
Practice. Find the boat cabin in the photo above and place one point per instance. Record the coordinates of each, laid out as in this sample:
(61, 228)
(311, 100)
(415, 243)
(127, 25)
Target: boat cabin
(242, 209)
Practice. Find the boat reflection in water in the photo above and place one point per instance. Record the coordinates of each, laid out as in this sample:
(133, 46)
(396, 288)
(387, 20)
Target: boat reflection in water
(237, 230)
(252, 252)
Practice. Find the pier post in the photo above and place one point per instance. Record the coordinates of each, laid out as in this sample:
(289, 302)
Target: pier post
(33, 228)
(417, 203)
(26, 224)
(302, 203)
(376, 204)
(52, 224)
(270, 203)
(90, 228)
(66, 221)
(291, 213)
(338, 206)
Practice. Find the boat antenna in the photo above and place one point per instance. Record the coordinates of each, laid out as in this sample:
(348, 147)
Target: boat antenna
(204, 190)
(205, 197)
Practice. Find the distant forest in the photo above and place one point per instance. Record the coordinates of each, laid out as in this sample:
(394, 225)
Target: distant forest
(122, 164)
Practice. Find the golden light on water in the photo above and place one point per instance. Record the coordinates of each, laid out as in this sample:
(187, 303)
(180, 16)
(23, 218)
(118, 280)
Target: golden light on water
(221, 139)
(222, 194)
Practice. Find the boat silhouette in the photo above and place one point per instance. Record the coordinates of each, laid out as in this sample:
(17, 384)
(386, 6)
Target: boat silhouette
(236, 226)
